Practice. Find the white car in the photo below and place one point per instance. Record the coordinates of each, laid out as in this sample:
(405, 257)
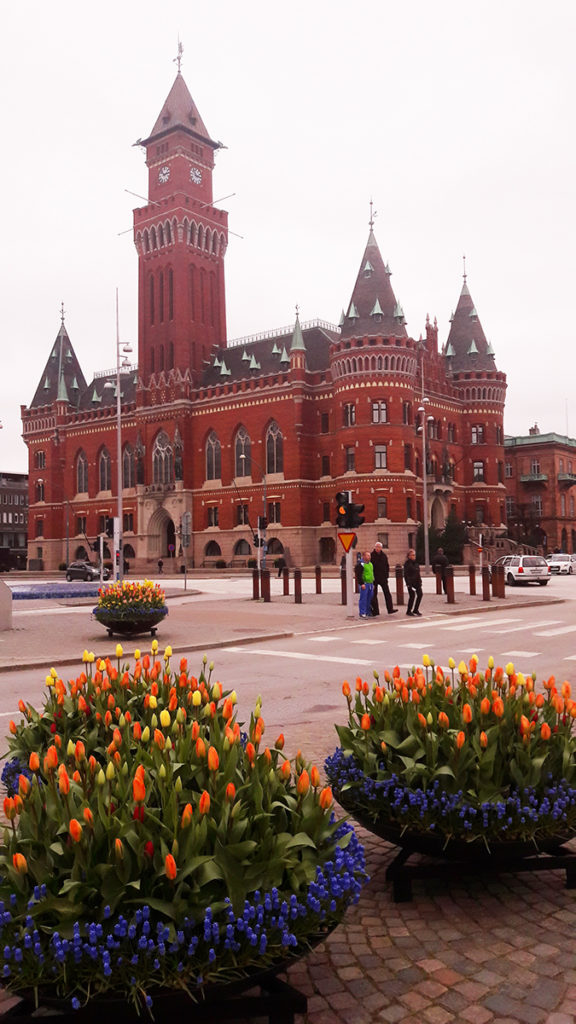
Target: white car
(524, 569)
(561, 564)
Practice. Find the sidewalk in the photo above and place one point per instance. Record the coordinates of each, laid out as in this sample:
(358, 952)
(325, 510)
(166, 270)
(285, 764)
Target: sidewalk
(486, 949)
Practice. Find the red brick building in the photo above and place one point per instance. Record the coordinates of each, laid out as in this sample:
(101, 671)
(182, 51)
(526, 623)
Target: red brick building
(540, 473)
(270, 425)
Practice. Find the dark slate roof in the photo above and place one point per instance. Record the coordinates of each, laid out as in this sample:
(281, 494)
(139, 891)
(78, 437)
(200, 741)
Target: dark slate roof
(62, 377)
(179, 111)
(100, 395)
(373, 308)
(269, 354)
(467, 347)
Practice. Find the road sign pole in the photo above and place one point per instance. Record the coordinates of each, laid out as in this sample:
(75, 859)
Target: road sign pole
(349, 585)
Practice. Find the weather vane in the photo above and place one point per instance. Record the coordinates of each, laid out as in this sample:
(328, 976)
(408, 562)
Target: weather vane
(373, 214)
(62, 312)
(178, 59)
(464, 261)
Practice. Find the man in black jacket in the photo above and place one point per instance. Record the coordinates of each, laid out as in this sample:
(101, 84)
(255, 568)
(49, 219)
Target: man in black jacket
(381, 574)
(414, 584)
(439, 565)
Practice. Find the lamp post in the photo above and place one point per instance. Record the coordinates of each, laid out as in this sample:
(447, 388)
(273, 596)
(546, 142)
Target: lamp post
(425, 420)
(121, 361)
(261, 528)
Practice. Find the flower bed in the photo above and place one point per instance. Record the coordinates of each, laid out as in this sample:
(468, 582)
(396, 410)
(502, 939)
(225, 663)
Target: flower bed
(153, 844)
(128, 607)
(439, 761)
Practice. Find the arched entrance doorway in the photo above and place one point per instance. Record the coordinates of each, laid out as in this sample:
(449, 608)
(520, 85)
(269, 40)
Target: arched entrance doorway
(327, 550)
(161, 535)
(437, 515)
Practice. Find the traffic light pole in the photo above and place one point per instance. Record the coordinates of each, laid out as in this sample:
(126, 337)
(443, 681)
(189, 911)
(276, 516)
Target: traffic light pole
(349, 585)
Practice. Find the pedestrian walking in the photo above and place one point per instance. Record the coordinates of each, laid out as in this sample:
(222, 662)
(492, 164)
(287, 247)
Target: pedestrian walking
(439, 565)
(381, 565)
(281, 564)
(413, 581)
(160, 565)
(364, 571)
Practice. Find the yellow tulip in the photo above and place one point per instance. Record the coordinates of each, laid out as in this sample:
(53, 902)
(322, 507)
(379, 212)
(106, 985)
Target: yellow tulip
(154, 647)
(165, 718)
(509, 669)
(137, 654)
(196, 698)
(233, 697)
(110, 771)
(167, 653)
(119, 650)
(451, 663)
(426, 661)
(153, 701)
(49, 681)
(490, 662)
(462, 668)
(145, 734)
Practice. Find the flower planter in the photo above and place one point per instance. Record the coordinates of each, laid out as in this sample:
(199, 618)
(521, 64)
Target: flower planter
(130, 623)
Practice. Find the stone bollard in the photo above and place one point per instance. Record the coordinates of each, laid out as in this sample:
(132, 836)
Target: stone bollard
(472, 579)
(297, 586)
(438, 576)
(255, 585)
(286, 580)
(485, 583)
(449, 576)
(318, 571)
(398, 572)
(265, 585)
(5, 607)
(498, 581)
(343, 585)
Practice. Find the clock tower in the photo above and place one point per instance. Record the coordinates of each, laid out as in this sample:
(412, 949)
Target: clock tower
(181, 239)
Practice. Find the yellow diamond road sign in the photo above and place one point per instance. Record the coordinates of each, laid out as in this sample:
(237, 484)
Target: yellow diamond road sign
(346, 540)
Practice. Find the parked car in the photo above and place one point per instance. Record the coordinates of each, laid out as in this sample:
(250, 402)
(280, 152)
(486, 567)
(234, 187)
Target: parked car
(524, 569)
(85, 571)
(561, 564)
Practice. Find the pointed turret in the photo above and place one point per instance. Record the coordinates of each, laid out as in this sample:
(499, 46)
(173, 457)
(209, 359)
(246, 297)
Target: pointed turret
(373, 307)
(179, 111)
(297, 346)
(467, 347)
(62, 378)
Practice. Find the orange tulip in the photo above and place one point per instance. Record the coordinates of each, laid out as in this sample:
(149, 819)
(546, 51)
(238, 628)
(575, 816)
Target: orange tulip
(346, 689)
(9, 808)
(251, 752)
(460, 740)
(498, 707)
(303, 783)
(20, 863)
(186, 818)
(23, 785)
(230, 792)
(467, 713)
(34, 762)
(63, 781)
(200, 748)
(51, 756)
(204, 805)
(285, 770)
(170, 867)
(483, 740)
(280, 742)
(79, 751)
(159, 739)
(325, 799)
(213, 759)
(75, 829)
(119, 849)
(13, 728)
(485, 706)
(545, 731)
(443, 720)
(138, 789)
(365, 722)
(314, 776)
(88, 817)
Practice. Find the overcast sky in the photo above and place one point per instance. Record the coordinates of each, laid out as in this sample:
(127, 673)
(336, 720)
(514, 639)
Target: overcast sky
(456, 118)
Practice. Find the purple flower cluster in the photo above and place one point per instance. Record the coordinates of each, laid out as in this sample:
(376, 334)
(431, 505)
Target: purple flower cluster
(525, 813)
(144, 952)
(12, 769)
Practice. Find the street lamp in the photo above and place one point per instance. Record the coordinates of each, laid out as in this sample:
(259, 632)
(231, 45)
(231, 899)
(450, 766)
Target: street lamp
(423, 427)
(261, 520)
(121, 361)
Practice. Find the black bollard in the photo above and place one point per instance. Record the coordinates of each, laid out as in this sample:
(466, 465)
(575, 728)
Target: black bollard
(255, 585)
(318, 571)
(286, 580)
(343, 584)
(297, 586)
(265, 584)
(472, 579)
(398, 572)
(485, 583)
(449, 576)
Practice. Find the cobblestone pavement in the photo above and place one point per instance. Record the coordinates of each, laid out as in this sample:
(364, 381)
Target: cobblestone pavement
(483, 949)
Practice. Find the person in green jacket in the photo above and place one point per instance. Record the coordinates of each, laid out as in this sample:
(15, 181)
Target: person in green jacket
(364, 571)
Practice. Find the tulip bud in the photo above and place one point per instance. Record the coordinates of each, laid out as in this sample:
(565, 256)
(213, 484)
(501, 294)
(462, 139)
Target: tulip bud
(165, 719)
(233, 697)
(119, 650)
(153, 702)
(20, 863)
(178, 785)
(154, 647)
(110, 771)
(167, 653)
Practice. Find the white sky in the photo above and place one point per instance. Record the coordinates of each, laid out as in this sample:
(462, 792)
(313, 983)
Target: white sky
(457, 118)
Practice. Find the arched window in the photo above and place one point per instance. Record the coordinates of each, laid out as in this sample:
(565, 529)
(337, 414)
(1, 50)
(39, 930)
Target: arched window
(151, 290)
(213, 457)
(162, 460)
(40, 490)
(242, 460)
(105, 470)
(161, 296)
(274, 449)
(82, 473)
(170, 294)
(128, 467)
(242, 547)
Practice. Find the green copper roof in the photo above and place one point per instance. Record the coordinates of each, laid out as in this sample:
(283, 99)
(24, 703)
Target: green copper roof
(297, 339)
(377, 309)
(472, 349)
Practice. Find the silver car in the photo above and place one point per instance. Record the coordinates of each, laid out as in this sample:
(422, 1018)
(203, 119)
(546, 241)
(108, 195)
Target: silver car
(525, 569)
(561, 564)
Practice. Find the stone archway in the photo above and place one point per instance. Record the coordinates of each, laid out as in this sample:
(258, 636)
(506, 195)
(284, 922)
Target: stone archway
(437, 515)
(161, 534)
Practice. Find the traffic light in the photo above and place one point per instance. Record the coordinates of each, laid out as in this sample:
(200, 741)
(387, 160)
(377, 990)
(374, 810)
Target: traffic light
(354, 518)
(342, 508)
(262, 522)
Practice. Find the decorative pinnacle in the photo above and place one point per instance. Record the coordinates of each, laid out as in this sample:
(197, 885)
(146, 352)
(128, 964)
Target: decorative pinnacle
(373, 214)
(178, 60)
(464, 261)
(62, 313)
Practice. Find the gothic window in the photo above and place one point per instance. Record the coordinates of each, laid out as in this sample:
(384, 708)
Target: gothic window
(274, 512)
(151, 291)
(379, 412)
(535, 467)
(128, 467)
(406, 413)
(562, 504)
(380, 456)
(80, 524)
(40, 460)
(478, 472)
(213, 457)
(325, 465)
(537, 505)
(105, 470)
(508, 470)
(82, 474)
(162, 460)
(242, 460)
(161, 296)
(349, 414)
(478, 434)
(324, 423)
(170, 294)
(128, 523)
(192, 281)
(242, 515)
(213, 515)
(39, 492)
(408, 456)
(274, 449)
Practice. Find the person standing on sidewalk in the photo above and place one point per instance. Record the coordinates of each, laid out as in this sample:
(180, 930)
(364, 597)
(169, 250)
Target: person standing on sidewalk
(381, 573)
(413, 581)
(364, 571)
(439, 565)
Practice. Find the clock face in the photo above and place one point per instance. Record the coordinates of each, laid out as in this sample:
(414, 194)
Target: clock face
(196, 175)
(163, 175)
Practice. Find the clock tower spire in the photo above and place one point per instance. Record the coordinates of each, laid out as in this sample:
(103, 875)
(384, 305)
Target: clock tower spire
(181, 240)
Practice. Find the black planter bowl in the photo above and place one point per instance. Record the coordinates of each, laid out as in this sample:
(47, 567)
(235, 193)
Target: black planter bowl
(130, 624)
(457, 848)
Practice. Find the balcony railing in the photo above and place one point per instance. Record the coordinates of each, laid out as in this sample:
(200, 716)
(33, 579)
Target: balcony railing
(534, 478)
